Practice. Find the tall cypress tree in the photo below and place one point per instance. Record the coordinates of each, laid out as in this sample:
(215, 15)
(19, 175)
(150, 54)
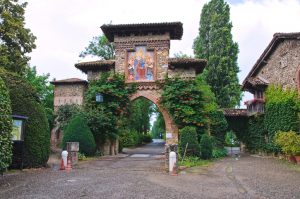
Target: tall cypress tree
(215, 44)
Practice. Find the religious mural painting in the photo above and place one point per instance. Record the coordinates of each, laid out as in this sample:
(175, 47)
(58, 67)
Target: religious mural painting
(140, 65)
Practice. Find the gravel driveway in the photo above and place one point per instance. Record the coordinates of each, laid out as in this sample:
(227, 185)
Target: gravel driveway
(140, 174)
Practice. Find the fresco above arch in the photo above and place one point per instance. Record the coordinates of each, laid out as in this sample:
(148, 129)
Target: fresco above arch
(140, 65)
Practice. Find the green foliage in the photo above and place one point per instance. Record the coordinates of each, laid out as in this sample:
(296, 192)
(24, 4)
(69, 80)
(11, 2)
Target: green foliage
(281, 110)
(147, 138)
(129, 138)
(231, 139)
(25, 102)
(206, 146)
(219, 153)
(81, 156)
(159, 128)
(5, 128)
(289, 142)
(78, 131)
(43, 89)
(255, 141)
(104, 119)
(218, 125)
(184, 101)
(65, 113)
(140, 113)
(194, 162)
(214, 43)
(189, 138)
(100, 47)
(239, 126)
(16, 40)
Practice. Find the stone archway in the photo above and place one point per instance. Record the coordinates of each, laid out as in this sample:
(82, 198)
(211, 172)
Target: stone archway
(171, 127)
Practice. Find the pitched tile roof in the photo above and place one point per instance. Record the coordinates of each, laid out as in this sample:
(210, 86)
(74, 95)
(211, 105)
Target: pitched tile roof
(68, 81)
(174, 28)
(277, 38)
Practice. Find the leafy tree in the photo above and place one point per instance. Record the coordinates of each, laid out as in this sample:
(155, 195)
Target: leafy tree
(104, 118)
(5, 128)
(43, 89)
(215, 44)
(140, 113)
(99, 47)
(15, 40)
(158, 130)
(65, 113)
(25, 102)
(78, 131)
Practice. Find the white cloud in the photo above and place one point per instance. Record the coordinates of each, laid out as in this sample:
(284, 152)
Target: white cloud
(64, 27)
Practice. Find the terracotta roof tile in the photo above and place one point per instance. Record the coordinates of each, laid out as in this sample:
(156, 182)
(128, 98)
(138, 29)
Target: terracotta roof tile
(95, 65)
(69, 81)
(277, 38)
(198, 64)
(174, 28)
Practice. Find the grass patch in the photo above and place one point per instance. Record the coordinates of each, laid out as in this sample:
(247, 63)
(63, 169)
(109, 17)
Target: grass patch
(194, 162)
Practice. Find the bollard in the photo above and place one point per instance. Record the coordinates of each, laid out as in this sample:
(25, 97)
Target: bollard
(172, 161)
(64, 156)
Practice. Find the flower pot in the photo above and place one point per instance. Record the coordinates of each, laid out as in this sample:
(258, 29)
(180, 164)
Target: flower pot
(292, 159)
(297, 158)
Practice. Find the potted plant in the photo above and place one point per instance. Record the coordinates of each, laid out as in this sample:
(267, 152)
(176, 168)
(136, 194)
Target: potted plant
(289, 142)
(232, 144)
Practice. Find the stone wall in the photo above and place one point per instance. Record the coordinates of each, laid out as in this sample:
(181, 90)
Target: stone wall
(68, 94)
(283, 65)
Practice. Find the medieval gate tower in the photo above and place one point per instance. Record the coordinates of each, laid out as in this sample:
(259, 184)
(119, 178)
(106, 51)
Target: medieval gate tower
(142, 55)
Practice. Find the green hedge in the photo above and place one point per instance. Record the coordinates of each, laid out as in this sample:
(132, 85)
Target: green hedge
(206, 147)
(218, 125)
(5, 128)
(255, 141)
(25, 102)
(188, 135)
(130, 138)
(78, 131)
(281, 110)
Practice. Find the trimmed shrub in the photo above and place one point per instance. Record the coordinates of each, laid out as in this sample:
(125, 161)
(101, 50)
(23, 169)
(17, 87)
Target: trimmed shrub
(188, 135)
(78, 131)
(5, 128)
(130, 138)
(219, 152)
(25, 102)
(147, 138)
(289, 142)
(206, 146)
(281, 112)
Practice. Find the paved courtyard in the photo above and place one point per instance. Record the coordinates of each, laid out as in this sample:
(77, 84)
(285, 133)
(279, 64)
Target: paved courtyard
(140, 174)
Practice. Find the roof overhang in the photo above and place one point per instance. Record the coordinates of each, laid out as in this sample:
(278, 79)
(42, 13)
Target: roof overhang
(198, 64)
(262, 60)
(175, 29)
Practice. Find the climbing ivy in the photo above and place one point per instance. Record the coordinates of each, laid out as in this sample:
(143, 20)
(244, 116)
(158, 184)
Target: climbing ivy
(281, 111)
(105, 118)
(184, 101)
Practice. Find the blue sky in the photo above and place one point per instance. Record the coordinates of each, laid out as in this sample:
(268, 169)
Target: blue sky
(63, 27)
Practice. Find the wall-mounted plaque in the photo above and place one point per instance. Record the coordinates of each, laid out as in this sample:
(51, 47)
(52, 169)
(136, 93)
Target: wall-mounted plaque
(169, 135)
